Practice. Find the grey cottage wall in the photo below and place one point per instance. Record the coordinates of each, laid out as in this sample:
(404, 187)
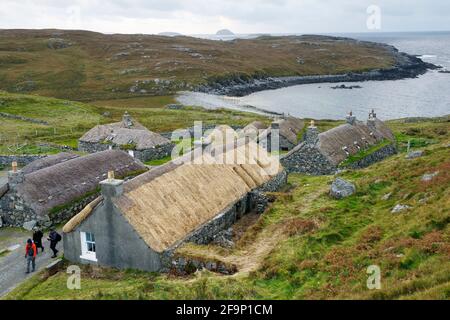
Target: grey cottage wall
(117, 243)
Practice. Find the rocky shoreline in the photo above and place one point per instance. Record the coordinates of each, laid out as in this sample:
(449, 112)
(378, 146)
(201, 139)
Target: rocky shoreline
(406, 66)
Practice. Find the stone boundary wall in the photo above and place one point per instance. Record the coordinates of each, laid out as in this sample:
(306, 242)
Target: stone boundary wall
(374, 157)
(16, 117)
(158, 152)
(23, 160)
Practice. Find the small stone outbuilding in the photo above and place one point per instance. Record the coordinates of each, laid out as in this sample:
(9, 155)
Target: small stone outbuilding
(128, 135)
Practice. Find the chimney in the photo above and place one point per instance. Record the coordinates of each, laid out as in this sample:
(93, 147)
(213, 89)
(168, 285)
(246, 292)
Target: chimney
(127, 120)
(350, 118)
(371, 120)
(312, 134)
(275, 125)
(15, 176)
(111, 187)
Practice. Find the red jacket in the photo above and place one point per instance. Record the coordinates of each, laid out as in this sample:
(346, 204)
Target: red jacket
(33, 246)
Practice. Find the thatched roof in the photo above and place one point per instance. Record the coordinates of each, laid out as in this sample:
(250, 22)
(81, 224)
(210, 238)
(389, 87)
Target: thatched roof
(48, 162)
(255, 126)
(169, 202)
(121, 133)
(290, 127)
(222, 134)
(340, 142)
(64, 182)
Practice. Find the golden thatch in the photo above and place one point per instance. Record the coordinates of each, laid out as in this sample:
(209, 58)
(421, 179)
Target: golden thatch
(166, 204)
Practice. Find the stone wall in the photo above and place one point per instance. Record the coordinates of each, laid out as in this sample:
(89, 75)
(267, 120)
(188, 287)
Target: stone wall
(158, 152)
(306, 158)
(23, 160)
(91, 147)
(154, 153)
(374, 157)
(16, 212)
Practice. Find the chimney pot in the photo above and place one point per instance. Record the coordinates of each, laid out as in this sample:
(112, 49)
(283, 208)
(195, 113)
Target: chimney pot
(14, 166)
(110, 175)
(350, 118)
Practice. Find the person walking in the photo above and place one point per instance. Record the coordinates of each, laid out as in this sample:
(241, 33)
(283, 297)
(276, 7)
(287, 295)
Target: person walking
(37, 239)
(30, 255)
(54, 237)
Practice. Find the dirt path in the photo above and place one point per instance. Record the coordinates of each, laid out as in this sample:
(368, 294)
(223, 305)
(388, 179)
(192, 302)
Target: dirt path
(250, 257)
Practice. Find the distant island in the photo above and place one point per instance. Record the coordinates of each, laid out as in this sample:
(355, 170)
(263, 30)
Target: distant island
(169, 34)
(224, 32)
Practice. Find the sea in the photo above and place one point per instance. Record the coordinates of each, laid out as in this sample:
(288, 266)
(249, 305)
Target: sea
(425, 96)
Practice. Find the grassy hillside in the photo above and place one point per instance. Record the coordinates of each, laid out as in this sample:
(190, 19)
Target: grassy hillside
(82, 65)
(308, 245)
(62, 122)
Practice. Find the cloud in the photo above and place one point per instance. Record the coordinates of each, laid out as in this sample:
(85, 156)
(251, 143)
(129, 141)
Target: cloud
(207, 16)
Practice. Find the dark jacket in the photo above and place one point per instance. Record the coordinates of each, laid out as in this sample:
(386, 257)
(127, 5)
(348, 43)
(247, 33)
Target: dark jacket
(37, 237)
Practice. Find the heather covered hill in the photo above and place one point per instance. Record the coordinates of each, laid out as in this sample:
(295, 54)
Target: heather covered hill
(83, 65)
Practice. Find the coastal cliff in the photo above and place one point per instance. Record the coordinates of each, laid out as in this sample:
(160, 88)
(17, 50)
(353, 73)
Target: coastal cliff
(405, 66)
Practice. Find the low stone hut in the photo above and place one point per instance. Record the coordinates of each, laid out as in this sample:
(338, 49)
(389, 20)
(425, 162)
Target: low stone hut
(138, 224)
(128, 135)
(323, 153)
(289, 130)
(53, 189)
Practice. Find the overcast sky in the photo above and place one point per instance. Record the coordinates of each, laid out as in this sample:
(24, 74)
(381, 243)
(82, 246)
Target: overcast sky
(240, 16)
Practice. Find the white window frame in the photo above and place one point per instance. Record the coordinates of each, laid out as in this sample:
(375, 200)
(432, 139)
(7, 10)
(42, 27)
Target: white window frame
(85, 253)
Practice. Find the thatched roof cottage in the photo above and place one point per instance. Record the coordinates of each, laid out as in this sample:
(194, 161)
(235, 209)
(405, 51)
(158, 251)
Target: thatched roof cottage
(289, 130)
(139, 223)
(128, 135)
(354, 144)
(53, 189)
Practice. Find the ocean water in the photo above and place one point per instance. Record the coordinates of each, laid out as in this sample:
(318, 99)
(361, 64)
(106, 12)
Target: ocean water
(427, 95)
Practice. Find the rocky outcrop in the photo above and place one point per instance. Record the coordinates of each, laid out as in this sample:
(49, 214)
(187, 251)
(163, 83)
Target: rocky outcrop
(341, 188)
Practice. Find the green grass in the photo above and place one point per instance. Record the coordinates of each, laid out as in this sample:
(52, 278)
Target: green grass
(158, 162)
(364, 153)
(68, 120)
(325, 262)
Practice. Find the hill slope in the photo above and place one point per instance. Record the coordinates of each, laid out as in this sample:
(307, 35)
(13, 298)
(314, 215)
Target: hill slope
(308, 245)
(32, 124)
(82, 65)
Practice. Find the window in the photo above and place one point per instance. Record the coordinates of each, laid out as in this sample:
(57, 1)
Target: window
(88, 246)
